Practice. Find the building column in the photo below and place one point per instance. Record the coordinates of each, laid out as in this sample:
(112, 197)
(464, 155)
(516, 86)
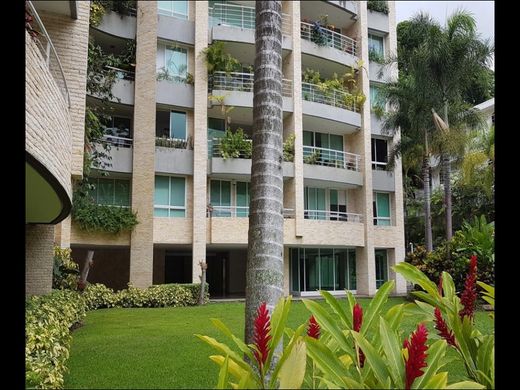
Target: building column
(200, 140)
(39, 259)
(143, 174)
(365, 259)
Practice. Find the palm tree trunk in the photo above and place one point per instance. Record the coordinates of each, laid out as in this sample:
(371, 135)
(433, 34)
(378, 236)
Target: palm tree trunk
(264, 272)
(427, 209)
(446, 167)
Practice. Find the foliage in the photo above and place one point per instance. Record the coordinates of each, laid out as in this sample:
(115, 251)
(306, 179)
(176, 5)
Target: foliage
(312, 158)
(378, 5)
(288, 148)
(375, 56)
(488, 295)
(65, 271)
(474, 348)
(98, 8)
(217, 59)
(174, 143)
(48, 319)
(164, 74)
(235, 145)
(95, 217)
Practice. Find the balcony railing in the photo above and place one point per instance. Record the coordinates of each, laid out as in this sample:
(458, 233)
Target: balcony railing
(325, 37)
(46, 52)
(333, 216)
(120, 142)
(240, 16)
(331, 158)
(242, 82)
(238, 212)
(122, 73)
(379, 166)
(174, 143)
(336, 98)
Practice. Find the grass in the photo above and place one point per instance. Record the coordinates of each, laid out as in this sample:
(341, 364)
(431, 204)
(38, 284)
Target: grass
(155, 348)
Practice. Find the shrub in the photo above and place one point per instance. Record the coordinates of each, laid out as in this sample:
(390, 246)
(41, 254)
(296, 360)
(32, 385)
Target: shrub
(235, 145)
(288, 148)
(48, 320)
(378, 5)
(65, 271)
(98, 296)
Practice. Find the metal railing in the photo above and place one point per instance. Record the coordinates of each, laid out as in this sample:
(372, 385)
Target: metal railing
(174, 143)
(122, 73)
(336, 98)
(46, 52)
(238, 212)
(118, 141)
(240, 16)
(242, 82)
(379, 166)
(331, 158)
(215, 149)
(333, 216)
(325, 37)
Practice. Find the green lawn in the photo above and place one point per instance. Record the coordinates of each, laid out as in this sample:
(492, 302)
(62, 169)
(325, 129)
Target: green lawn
(155, 348)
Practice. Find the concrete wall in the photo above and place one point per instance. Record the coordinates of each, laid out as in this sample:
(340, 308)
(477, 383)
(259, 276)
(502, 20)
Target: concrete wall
(39, 259)
(379, 21)
(172, 160)
(82, 237)
(176, 29)
(121, 159)
(328, 53)
(383, 181)
(332, 113)
(335, 176)
(124, 91)
(175, 93)
(119, 25)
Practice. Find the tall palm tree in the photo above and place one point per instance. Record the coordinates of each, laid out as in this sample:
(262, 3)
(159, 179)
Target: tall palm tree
(264, 272)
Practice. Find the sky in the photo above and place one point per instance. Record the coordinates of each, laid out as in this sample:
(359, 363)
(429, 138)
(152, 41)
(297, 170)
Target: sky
(483, 12)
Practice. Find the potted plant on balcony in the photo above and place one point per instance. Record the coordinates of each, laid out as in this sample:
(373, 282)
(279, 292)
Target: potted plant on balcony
(235, 145)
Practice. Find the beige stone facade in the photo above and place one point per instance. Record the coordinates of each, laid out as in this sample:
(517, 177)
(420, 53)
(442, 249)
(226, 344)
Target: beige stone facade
(217, 238)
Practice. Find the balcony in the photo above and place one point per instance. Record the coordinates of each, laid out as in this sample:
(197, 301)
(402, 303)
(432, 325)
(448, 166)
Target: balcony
(174, 28)
(335, 167)
(333, 216)
(238, 89)
(238, 212)
(350, 6)
(338, 107)
(226, 19)
(331, 158)
(174, 156)
(120, 153)
(174, 93)
(123, 26)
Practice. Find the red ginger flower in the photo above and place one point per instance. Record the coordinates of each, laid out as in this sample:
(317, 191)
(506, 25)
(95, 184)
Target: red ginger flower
(261, 335)
(416, 354)
(357, 316)
(314, 328)
(469, 295)
(443, 329)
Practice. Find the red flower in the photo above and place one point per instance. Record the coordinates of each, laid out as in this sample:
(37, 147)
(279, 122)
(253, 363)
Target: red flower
(261, 336)
(442, 327)
(469, 295)
(416, 354)
(314, 328)
(357, 316)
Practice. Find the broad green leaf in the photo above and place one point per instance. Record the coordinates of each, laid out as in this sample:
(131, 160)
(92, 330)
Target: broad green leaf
(426, 298)
(485, 380)
(346, 360)
(330, 385)
(376, 304)
(225, 350)
(438, 381)
(434, 354)
(428, 310)
(375, 361)
(392, 352)
(466, 385)
(414, 275)
(327, 322)
(447, 285)
(223, 375)
(286, 353)
(293, 369)
(394, 316)
(240, 344)
(247, 383)
(351, 302)
(326, 361)
(489, 289)
(278, 321)
(233, 368)
(334, 304)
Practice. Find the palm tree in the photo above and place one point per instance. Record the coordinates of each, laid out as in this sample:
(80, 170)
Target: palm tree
(450, 58)
(264, 272)
(478, 165)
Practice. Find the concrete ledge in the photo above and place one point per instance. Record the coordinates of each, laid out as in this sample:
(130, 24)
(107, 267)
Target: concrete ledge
(119, 25)
(176, 29)
(172, 160)
(337, 176)
(174, 93)
(332, 113)
(242, 35)
(240, 168)
(172, 230)
(81, 237)
(328, 53)
(383, 181)
(333, 233)
(121, 159)
(378, 21)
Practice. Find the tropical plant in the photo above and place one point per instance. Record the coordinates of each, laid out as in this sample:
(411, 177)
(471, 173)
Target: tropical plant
(174, 143)
(375, 56)
(235, 144)
(454, 319)
(478, 165)
(312, 158)
(378, 5)
(264, 267)
(65, 271)
(288, 148)
(488, 295)
(217, 59)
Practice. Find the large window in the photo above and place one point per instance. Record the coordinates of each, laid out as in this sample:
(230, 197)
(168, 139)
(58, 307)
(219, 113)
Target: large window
(379, 154)
(381, 206)
(326, 204)
(111, 192)
(315, 269)
(221, 192)
(170, 196)
(375, 44)
(179, 9)
(176, 62)
(381, 267)
(177, 125)
(243, 196)
(375, 99)
(118, 126)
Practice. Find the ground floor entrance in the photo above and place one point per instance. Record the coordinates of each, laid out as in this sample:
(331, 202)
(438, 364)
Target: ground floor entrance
(226, 273)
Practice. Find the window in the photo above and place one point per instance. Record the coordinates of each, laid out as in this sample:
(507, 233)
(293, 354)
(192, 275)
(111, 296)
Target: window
(324, 146)
(381, 206)
(313, 269)
(314, 200)
(176, 62)
(118, 126)
(379, 154)
(375, 98)
(220, 198)
(111, 192)
(381, 267)
(178, 125)
(318, 200)
(243, 196)
(170, 196)
(375, 44)
(179, 9)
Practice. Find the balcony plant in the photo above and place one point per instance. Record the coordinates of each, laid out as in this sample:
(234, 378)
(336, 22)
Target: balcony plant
(378, 5)
(98, 8)
(375, 56)
(288, 148)
(174, 143)
(313, 158)
(217, 59)
(235, 145)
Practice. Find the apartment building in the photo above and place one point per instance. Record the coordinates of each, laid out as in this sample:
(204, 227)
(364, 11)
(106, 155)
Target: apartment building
(56, 41)
(343, 225)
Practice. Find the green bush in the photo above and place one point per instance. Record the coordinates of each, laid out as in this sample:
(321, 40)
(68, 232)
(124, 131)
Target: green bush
(65, 271)
(378, 5)
(235, 145)
(48, 320)
(288, 148)
(98, 296)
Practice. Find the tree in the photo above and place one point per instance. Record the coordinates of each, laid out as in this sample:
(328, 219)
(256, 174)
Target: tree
(264, 272)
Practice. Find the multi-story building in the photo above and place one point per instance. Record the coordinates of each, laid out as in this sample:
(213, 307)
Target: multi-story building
(344, 226)
(56, 41)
